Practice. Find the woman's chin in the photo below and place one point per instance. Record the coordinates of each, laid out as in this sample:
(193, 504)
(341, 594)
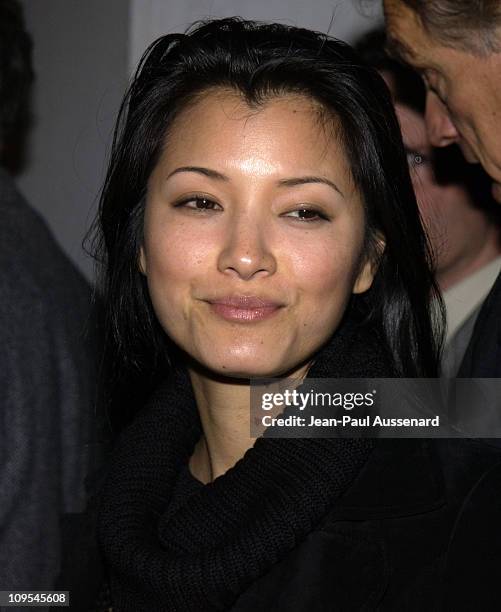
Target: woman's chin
(252, 368)
(246, 370)
(243, 364)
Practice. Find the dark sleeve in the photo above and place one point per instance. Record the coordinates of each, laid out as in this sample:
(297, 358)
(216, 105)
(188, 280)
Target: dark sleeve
(47, 377)
(83, 571)
(474, 553)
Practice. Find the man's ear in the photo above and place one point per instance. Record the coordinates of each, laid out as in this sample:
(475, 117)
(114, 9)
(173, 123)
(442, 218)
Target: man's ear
(368, 269)
(142, 261)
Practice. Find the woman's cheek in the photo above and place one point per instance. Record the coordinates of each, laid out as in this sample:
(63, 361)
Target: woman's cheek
(324, 267)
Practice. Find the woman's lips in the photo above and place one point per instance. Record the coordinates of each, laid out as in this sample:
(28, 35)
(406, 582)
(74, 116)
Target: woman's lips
(244, 308)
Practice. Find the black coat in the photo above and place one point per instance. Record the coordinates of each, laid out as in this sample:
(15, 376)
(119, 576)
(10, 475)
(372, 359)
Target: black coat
(419, 530)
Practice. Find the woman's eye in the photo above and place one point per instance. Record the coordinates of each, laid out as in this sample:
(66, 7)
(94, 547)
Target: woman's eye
(307, 214)
(416, 159)
(198, 203)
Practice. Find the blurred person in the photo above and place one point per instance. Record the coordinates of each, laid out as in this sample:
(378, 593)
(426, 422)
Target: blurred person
(456, 47)
(459, 213)
(46, 359)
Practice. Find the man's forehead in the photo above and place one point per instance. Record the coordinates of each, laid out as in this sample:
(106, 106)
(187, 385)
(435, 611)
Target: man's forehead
(405, 35)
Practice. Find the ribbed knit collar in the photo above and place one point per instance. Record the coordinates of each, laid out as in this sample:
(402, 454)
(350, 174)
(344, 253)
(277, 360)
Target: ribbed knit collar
(205, 553)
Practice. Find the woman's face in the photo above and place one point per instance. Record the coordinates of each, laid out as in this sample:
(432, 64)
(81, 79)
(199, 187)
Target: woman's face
(253, 235)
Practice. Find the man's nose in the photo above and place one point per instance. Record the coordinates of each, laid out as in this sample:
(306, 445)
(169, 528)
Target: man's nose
(246, 251)
(441, 130)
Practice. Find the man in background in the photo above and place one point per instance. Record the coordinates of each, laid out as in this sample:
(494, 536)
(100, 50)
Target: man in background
(462, 220)
(46, 359)
(456, 47)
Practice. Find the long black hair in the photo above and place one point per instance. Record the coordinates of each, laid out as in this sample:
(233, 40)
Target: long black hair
(260, 61)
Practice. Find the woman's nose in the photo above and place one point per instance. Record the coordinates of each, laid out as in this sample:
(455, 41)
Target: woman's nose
(441, 130)
(246, 251)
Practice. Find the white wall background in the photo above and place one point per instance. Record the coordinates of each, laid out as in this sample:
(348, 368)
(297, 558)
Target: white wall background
(84, 52)
(345, 19)
(81, 58)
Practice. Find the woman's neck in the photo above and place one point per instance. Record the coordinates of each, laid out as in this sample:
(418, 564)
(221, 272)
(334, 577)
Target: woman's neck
(224, 409)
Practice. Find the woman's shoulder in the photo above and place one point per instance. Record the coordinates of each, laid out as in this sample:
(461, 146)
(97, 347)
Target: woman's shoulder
(473, 554)
(409, 475)
(466, 462)
(426, 515)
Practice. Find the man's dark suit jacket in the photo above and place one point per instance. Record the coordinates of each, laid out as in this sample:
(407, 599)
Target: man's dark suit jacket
(483, 355)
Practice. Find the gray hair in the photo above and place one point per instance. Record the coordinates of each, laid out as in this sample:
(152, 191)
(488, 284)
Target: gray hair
(469, 25)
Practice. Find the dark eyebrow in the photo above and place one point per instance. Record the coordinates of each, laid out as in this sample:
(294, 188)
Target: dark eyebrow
(213, 174)
(288, 182)
(304, 180)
